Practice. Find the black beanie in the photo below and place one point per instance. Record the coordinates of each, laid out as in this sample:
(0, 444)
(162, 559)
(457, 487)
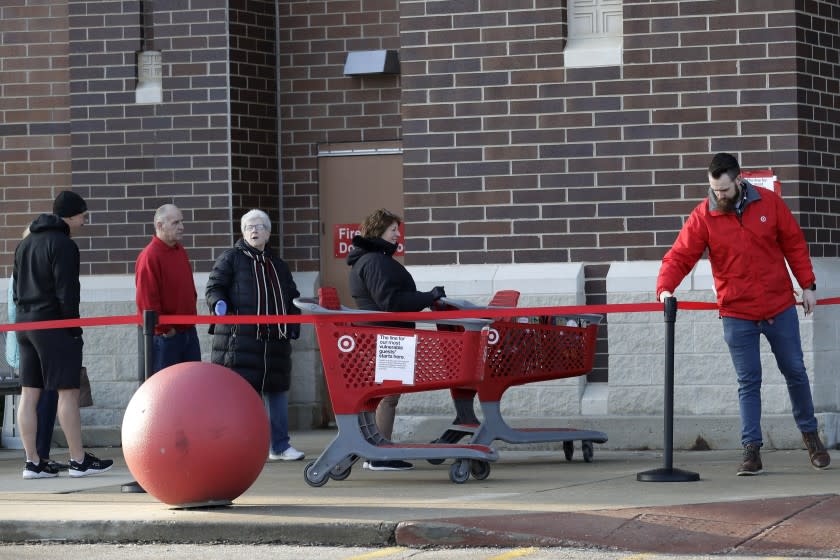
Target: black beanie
(68, 204)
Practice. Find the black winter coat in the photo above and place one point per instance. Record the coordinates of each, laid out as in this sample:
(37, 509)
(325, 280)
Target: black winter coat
(378, 282)
(264, 361)
(46, 273)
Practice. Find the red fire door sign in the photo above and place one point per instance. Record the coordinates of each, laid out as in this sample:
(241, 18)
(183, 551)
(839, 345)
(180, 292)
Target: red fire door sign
(343, 239)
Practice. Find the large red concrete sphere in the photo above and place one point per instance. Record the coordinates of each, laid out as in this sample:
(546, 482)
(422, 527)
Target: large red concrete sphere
(195, 434)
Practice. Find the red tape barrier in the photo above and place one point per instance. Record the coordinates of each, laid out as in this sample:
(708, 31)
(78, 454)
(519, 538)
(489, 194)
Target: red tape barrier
(359, 317)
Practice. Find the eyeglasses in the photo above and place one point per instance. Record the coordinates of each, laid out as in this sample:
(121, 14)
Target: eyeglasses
(255, 227)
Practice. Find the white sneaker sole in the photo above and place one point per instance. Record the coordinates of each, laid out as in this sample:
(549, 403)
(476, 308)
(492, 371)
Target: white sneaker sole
(90, 472)
(31, 475)
(274, 458)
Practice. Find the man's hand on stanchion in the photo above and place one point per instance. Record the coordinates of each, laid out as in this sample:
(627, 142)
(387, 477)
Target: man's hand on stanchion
(665, 294)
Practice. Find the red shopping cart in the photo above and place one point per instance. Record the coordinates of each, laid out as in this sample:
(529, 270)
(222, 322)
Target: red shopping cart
(365, 362)
(543, 348)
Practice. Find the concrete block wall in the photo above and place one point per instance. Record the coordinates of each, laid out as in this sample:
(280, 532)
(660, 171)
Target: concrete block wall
(825, 338)
(539, 285)
(111, 357)
(628, 408)
(704, 379)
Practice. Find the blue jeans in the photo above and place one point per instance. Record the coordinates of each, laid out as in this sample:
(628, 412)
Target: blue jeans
(278, 417)
(181, 347)
(782, 332)
(47, 409)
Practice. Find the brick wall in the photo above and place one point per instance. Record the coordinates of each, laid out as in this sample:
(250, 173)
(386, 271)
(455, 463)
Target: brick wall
(509, 156)
(128, 159)
(253, 107)
(319, 104)
(818, 89)
(34, 115)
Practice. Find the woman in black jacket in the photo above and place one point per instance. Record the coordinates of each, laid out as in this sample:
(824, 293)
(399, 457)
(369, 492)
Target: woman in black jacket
(380, 283)
(250, 280)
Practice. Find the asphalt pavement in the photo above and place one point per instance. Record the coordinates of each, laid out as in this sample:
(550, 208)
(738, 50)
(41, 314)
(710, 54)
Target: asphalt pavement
(532, 497)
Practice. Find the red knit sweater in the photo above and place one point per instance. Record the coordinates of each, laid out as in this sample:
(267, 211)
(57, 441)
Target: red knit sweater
(164, 282)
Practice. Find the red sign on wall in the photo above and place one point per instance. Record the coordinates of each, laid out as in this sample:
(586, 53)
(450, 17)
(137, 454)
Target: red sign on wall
(343, 239)
(763, 178)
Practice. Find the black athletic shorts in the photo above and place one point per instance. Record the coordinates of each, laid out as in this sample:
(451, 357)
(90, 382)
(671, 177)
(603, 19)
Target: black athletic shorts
(50, 359)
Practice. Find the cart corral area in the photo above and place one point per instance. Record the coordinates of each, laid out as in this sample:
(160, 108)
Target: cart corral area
(628, 407)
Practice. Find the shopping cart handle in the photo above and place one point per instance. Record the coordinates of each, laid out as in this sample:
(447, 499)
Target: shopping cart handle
(460, 303)
(311, 305)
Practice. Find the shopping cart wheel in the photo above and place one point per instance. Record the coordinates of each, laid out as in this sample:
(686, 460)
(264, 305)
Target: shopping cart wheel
(310, 478)
(459, 472)
(569, 449)
(340, 475)
(588, 450)
(479, 469)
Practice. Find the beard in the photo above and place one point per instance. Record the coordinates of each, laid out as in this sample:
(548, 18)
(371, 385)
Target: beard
(727, 205)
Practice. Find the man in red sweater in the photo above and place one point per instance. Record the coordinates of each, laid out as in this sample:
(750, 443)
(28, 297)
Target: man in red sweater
(164, 281)
(750, 234)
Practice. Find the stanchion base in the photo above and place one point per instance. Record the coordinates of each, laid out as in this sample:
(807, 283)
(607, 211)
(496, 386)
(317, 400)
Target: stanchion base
(667, 475)
(132, 488)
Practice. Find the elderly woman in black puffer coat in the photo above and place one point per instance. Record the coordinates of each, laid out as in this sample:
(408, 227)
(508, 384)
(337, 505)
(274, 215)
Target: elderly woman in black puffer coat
(251, 280)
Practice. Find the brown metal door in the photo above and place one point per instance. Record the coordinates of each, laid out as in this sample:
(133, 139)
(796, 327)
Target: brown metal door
(354, 180)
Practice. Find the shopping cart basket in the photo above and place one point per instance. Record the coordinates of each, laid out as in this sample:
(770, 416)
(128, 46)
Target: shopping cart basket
(365, 362)
(543, 348)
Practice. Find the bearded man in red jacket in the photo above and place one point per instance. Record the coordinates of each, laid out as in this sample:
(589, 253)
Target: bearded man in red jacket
(750, 233)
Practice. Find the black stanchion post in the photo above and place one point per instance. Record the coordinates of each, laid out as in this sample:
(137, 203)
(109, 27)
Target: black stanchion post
(141, 357)
(668, 473)
(149, 323)
(145, 363)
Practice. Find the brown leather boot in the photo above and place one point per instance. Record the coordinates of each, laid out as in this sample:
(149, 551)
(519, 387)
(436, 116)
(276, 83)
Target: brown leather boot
(816, 450)
(751, 464)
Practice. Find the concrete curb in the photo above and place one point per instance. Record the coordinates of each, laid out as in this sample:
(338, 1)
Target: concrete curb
(305, 532)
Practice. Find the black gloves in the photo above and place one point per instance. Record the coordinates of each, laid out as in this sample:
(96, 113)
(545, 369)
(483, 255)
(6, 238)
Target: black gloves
(437, 293)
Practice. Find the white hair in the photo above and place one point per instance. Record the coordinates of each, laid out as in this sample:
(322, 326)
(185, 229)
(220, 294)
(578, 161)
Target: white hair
(255, 214)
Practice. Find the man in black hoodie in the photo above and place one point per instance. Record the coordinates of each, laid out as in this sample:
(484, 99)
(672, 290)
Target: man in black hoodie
(46, 287)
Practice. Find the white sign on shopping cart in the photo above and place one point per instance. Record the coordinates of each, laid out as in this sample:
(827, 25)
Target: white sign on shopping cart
(395, 358)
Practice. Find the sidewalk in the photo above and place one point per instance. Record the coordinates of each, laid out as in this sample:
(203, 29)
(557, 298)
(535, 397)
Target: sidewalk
(531, 498)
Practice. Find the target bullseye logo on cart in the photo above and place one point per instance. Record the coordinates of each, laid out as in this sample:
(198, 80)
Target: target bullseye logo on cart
(492, 336)
(346, 343)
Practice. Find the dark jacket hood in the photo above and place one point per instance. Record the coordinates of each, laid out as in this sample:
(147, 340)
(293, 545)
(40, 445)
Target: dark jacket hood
(364, 245)
(46, 222)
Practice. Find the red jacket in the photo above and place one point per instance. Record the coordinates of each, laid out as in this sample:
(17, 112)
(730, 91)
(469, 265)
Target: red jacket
(164, 282)
(747, 255)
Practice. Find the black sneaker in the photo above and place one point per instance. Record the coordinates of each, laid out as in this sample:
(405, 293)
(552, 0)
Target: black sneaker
(91, 465)
(58, 466)
(394, 465)
(41, 470)
(751, 464)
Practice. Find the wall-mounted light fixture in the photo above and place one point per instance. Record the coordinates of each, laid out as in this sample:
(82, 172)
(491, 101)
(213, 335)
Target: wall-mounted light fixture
(149, 64)
(362, 63)
(149, 80)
